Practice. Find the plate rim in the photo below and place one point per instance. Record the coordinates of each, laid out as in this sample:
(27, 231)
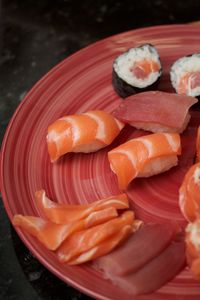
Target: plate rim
(50, 72)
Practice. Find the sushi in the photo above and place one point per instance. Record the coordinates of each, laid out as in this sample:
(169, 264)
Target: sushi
(86, 132)
(198, 145)
(144, 156)
(156, 111)
(193, 247)
(185, 75)
(189, 200)
(136, 70)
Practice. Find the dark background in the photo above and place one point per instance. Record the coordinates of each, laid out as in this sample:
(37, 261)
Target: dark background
(34, 37)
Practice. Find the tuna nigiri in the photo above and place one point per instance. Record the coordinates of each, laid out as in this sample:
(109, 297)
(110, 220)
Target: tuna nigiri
(144, 156)
(156, 111)
(189, 193)
(65, 213)
(86, 132)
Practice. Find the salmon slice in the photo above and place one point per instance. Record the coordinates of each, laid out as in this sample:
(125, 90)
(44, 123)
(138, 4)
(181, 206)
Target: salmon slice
(52, 235)
(85, 240)
(87, 132)
(188, 82)
(125, 259)
(143, 68)
(64, 213)
(49, 234)
(99, 217)
(189, 200)
(183, 84)
(144, 156)
(198, 145)
(103, 248)
(155, 273)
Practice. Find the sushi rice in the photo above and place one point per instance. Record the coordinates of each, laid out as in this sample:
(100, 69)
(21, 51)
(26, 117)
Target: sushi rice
(124, 63)
(187, 65)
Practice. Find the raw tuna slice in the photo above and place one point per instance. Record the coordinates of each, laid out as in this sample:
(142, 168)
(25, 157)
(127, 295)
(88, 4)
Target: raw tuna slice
(140, 248)
(156, 111)
(156, 273)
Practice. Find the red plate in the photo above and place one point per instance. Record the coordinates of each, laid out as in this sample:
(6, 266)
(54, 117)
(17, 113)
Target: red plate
(80, 83)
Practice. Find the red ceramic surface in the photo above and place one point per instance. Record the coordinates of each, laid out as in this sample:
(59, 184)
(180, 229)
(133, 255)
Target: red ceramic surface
(80, 83)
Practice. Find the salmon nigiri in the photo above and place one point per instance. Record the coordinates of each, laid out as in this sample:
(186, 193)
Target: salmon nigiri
(86, 132)
(144, 156)
(64, 213)
(193, 247)
(198, 145)
(52, 235)
(85, 240)
(189, 199)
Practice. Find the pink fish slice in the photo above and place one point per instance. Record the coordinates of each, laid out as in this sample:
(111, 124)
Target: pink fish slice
(52, 235)
(64, 213)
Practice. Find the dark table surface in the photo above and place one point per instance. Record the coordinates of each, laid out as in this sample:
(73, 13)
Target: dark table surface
(34, 37)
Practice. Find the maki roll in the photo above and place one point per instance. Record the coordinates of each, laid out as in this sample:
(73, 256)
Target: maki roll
(185, 75)
(136, 70)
